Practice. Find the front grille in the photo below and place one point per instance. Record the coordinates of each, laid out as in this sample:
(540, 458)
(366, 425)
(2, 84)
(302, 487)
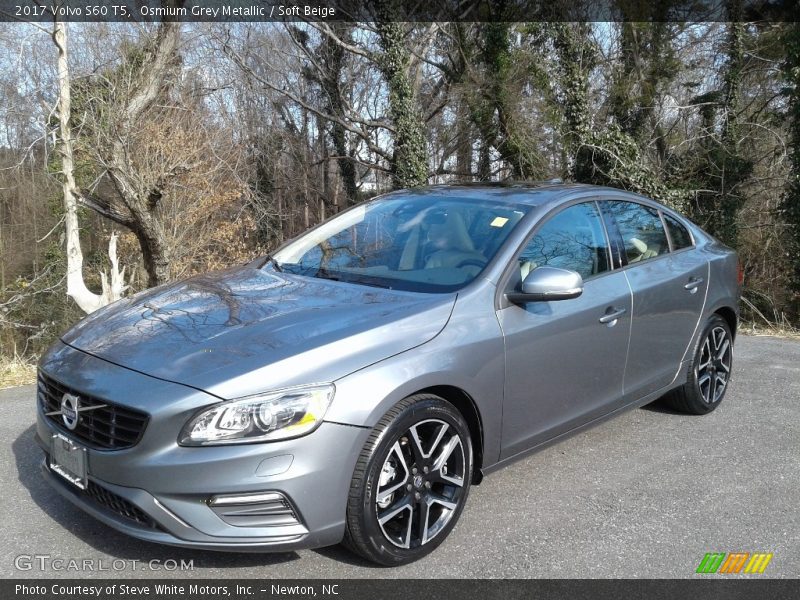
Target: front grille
(118, 505)
(110, 501)
(111, 427)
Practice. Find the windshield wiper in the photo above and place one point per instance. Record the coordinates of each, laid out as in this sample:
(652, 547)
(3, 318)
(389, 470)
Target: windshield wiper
(349, 278)
(269, 259)
(323, 273)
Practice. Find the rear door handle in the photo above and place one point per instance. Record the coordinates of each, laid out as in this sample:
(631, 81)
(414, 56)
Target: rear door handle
(612, 316)
(693, 284)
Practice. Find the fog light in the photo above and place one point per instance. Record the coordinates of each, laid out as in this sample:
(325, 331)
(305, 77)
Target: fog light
(259, 509)
(239, 499)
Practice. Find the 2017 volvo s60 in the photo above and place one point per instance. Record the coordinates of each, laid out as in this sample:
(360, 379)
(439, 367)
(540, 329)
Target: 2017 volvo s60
(353, 385)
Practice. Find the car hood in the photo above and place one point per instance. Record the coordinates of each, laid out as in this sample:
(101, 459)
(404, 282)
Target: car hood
(247, 330)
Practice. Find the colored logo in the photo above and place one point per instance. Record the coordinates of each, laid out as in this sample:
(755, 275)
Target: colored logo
(734, 562)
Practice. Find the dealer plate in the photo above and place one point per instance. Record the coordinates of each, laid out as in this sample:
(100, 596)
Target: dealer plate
(68, 459)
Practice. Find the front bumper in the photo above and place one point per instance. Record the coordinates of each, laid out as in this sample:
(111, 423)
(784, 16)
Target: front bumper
(160, 492)
(183, 516)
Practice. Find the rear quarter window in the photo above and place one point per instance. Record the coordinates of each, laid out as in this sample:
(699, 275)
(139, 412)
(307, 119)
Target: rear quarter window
(678, 233)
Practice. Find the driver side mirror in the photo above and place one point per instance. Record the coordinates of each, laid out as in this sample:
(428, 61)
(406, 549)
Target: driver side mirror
(548, 283)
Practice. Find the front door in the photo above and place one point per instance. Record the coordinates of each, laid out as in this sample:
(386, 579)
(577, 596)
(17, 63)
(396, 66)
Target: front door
(565, 359)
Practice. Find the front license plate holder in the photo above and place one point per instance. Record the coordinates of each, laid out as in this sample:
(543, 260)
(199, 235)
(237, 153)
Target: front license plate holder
(68, 459)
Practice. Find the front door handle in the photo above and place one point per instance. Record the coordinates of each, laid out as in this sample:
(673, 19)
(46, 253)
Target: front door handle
(693, 284)
(612, 316)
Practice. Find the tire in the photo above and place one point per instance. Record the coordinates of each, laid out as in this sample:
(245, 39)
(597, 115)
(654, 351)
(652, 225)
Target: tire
(398, 481)
(708, 380)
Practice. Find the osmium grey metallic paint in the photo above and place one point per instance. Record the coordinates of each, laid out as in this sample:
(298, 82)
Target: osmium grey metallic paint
(532, 373)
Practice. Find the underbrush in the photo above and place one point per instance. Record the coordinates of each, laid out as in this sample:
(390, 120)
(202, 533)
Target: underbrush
(16, 371)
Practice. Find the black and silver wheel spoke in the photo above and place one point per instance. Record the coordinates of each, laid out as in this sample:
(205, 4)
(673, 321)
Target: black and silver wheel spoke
(440, 464)
(423, 519)
(714, 365)
(422, 481)
(418, 444)
(395, 459)
(705, 356)
(403, 512)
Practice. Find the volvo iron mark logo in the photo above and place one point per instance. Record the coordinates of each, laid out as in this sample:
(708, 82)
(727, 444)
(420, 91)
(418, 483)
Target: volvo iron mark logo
(69, 411)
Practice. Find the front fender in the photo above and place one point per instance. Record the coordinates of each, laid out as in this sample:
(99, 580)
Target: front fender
(468, 354)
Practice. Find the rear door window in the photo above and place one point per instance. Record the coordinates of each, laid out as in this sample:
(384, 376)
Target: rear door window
(640, 226)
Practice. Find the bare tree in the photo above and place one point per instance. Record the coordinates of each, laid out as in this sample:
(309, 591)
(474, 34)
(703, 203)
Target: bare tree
(113, 289)
(124, 108)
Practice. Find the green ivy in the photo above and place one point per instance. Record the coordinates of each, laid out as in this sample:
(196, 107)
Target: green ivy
(409, 161)
(791, 200)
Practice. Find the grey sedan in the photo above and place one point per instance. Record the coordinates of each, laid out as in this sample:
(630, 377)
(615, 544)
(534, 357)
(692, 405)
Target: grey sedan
(355, 384)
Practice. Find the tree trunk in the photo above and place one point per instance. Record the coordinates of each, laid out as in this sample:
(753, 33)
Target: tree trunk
(410, 159)
(150, 234)
(791, 201)
(485, 161)
(571, 47)
(463, 141)
(734, 170)
(333, 59)
(136, 204)
(87, 300)
(495, 112)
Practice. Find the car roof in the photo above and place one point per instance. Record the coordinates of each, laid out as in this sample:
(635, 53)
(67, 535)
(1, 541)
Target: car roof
(532, 193)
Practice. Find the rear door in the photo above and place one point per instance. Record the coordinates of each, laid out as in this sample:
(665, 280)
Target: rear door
(668, 278)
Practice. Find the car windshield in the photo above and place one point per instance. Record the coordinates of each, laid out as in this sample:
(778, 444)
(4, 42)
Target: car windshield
(418, 243)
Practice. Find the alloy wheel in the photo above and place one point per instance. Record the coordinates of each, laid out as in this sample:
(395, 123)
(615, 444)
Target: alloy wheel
(714, 368)
(421, 483)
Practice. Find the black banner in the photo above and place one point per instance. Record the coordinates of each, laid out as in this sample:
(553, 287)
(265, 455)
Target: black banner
(392, 10)
(387, 589)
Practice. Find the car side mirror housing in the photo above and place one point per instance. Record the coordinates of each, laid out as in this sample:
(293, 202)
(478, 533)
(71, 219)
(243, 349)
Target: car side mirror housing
(548, 283)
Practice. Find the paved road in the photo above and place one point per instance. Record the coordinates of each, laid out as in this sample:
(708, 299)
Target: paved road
(644, 495)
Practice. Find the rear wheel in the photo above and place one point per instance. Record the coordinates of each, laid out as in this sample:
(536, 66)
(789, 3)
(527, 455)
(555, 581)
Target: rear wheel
(410, 483)
(709, 372)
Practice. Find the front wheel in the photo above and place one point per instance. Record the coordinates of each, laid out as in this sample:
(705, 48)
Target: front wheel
(709, 372)
(410, 482)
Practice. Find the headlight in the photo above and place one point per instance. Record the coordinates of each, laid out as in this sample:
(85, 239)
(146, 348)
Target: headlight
(265, 417)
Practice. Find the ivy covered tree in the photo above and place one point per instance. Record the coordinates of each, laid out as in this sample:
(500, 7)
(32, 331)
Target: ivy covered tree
(494, 105)
(791, 200)
(723, 167)
(647, 67)
(410, 155)
(326, 67)
(604, 155)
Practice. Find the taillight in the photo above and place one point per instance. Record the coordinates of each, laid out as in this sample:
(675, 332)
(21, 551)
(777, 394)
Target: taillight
(740, 272)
